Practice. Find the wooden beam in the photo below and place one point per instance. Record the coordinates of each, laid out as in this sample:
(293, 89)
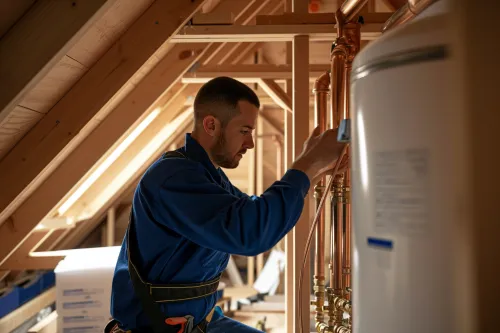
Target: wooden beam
(267, 33)
(300, 125)
(84, 228)
(316, 18)
(130, 111)
(288, 160)
(279, 96)
(35, 43)
(20, 259)
(17, 317)
(249, 72)
(34, 153)
(259, 176)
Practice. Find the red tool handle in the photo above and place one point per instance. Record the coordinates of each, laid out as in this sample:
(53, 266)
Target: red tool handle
(177, 321)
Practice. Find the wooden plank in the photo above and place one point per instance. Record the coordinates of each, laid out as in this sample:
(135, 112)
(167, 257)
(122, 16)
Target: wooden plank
(20, 259)
(262, 71)
(288, 160)
(106, 31)
(42, 144)
(95, 146)
(315, 18)
(300, 125)
(48, 90)
(279, 96)
(89, 202)
(36, 42)
(259, 179)
(84, 228)
(11, 11)
(267, 33)
(17, 317)
(15, 125)
(51, 240)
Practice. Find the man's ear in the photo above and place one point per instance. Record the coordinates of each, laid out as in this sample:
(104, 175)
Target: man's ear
(210, 124)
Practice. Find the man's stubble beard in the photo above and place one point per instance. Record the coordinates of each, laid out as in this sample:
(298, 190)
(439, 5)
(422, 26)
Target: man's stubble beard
(220, 154)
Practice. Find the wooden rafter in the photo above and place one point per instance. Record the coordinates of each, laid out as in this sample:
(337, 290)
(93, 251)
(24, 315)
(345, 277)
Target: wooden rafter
(34, 153)
(20, 259)
(279, 96)
(38, 41)
(36, 150)
(249, 72)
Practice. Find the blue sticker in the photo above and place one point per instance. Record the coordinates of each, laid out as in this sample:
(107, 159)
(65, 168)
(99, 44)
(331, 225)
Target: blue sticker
(380, 243)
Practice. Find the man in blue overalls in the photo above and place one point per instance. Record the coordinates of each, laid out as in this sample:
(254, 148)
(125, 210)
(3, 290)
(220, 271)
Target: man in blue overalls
(187, 218)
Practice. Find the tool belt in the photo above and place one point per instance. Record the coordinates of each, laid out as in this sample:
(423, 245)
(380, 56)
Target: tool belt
(152, 294)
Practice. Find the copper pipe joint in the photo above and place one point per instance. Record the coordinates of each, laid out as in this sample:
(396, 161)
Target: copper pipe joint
(351, 8)
(407, 12)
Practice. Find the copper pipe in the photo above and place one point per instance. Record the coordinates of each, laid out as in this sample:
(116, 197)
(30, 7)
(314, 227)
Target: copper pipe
(321, 90)
(338, 208)
(339, 57)
(407, 12)
(348, 234)
(350, 8)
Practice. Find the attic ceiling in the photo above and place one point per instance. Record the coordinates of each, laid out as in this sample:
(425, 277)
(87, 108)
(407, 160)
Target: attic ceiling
(93, 91)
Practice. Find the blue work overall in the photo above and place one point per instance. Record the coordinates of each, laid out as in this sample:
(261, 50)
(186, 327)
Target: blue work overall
(187, 218)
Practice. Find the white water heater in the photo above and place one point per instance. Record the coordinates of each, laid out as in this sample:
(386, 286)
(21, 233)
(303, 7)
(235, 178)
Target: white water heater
(408, 180)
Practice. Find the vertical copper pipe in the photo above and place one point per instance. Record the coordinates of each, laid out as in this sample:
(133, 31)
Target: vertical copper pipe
(339, 56)
(321, 90)
(348, 234)
(338, 234)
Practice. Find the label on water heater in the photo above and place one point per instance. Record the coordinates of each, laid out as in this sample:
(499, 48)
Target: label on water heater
(401, 191)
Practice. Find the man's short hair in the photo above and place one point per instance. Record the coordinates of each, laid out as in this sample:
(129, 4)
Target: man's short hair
(219, 97)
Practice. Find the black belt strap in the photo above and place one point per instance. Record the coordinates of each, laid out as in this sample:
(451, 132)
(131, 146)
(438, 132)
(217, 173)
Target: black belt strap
(151, 294)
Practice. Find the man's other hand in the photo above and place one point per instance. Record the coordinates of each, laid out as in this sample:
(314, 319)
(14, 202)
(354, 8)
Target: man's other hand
(320, 154)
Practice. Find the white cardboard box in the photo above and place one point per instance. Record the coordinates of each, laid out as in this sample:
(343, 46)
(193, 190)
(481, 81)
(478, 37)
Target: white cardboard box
(83, 289)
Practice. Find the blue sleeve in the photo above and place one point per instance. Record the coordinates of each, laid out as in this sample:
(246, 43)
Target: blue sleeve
(206, 214)
(238, 193)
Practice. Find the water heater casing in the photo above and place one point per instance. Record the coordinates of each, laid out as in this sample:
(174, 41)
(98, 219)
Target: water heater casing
(408, 180)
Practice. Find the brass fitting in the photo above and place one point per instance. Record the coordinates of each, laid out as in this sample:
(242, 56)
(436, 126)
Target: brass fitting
(319, 302)
(342, 304)
(324, 328)
(338, 189)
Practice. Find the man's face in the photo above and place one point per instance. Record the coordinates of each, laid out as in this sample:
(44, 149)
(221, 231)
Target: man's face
(237, 136)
